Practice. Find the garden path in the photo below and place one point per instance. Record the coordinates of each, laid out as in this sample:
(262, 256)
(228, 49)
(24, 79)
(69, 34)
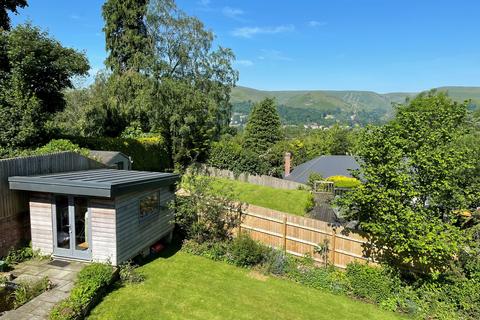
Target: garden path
(62, 275)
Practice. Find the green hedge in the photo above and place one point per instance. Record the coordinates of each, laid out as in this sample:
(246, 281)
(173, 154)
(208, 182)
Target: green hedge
(91, 285)
(148, 154)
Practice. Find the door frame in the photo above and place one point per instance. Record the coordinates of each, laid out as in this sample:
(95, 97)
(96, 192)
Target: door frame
(72, 252)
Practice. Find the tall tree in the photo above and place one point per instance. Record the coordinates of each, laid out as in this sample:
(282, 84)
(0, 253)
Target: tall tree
(418, 180)
(127, 42)
(9, 5)
(39, 68)
(263, 128)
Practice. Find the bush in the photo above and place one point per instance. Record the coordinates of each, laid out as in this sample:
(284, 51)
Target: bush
(203, 214)
(26, 291)
(213, 250)
(148, 153)
(15, 256)
(372, 283)
(314, 177)
(344, 182)
(246, 252)
(230, 155)
(128, 273)
(277, 263)
(90, 281)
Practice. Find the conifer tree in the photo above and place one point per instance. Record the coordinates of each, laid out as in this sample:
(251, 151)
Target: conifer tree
(263, 128)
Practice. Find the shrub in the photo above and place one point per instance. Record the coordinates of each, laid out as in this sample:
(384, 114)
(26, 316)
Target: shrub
(26, 291)
(213, 250)
(246, 252)
(314, 176)
(372, 283)
(230, 155)
(148, 153)
(344, 182)
(128, 273)
(277, 263)
(15, 256)
(59, 145)
(90, 281)
(203, 214)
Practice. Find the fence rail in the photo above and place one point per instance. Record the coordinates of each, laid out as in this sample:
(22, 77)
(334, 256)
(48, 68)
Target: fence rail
(299, 236)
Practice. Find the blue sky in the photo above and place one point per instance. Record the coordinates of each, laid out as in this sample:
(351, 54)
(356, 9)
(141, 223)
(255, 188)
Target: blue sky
(378, 45)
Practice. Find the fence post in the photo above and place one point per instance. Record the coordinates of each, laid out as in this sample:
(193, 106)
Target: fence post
(334, 240)
(240, 222)
(285, 233)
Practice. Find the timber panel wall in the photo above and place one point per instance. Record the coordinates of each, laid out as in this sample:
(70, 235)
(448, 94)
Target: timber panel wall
(104, 238)
(299, 236)
(42, 224)
(14, 222)
(134, 234)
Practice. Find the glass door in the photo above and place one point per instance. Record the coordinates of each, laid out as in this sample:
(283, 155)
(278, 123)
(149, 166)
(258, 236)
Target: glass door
(72, 227)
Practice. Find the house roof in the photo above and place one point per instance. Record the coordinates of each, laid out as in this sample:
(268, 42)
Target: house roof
(327, 166)
(100, 183)
(106, 156)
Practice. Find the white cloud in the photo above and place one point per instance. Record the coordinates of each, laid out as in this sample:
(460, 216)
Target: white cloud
(249, 32)
(273, 55)
(315, 23)
(244, 63)
(232, 12)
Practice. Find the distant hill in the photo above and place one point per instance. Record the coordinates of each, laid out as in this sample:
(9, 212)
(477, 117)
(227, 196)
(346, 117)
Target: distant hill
(326, 107)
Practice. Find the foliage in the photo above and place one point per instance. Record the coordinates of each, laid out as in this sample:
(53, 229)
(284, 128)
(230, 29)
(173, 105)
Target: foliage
(205, 215)
(216, 250)
(312, 177)
(298, 202)
(373, 284)
(246, 252)
(28, 290)
(16, 256)
(129, 274)
(263, 128)
(344, 182)
(165, 77)
(148, 154)
(416, 181)
(36, 69)
(230, 155)
(59, 145)
(90, 281)
(9, 5)
(125, 31)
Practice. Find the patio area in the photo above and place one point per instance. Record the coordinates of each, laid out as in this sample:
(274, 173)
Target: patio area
(62, 274)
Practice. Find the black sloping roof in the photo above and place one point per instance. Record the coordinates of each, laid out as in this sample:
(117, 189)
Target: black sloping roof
(100, 183)
(327, 166)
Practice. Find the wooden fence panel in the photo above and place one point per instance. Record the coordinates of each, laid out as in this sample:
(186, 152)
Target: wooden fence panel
(14, 223)
(299, 236)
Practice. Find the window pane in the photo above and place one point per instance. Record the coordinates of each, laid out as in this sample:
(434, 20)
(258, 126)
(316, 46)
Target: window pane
(81, 223)
(63, 223)
(149, 205)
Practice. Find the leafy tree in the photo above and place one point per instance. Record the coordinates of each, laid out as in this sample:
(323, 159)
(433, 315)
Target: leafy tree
(9, 5)
(263, 128)
(204, 214)
(38, 69)
(417, 181)
(127, 42)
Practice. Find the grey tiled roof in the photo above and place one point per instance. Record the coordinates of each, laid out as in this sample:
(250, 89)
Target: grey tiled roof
(327, 166)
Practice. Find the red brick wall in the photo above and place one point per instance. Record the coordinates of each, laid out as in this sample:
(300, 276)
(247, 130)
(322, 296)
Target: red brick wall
(14, 232)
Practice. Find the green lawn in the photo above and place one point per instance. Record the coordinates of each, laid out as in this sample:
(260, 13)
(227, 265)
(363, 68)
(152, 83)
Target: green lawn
(291, 201)
(184, 286)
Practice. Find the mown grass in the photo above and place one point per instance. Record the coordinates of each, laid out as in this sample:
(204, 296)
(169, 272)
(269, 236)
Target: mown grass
(184, 286)
(291, 201)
